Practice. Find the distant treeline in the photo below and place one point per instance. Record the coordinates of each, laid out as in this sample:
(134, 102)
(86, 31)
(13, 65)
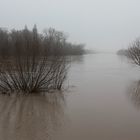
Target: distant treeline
(122, 52)
(50, 42)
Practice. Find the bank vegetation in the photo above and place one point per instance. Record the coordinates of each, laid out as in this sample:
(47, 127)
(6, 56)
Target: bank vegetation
(31, 62)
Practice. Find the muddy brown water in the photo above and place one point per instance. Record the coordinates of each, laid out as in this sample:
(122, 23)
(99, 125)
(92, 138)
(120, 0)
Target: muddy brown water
(102, 102)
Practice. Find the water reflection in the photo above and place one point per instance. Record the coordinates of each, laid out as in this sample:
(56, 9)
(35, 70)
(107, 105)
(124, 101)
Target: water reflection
(134, 94)
(30, 117)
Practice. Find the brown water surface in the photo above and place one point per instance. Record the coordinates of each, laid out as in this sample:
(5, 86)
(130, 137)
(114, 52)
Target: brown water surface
(102, 103)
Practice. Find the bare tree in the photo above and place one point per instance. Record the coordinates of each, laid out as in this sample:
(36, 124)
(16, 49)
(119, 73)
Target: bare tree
(133, 52)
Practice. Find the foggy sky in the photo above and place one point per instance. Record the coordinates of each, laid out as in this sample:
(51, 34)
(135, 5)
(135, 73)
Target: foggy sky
(104, 25)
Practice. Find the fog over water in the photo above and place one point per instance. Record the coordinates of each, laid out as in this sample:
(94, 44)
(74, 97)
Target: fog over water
(104, 25)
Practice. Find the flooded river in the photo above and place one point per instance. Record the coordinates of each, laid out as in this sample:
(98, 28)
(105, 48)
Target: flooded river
(101, 102)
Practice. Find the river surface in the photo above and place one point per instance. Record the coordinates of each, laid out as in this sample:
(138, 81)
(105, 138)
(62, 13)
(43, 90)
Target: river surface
(101, 102)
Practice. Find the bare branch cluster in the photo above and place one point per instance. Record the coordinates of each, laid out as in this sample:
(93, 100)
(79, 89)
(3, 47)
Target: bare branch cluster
(133, 52)
(31, 68)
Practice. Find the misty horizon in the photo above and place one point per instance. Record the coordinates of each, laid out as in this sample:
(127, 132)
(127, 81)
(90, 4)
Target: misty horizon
(101, 25)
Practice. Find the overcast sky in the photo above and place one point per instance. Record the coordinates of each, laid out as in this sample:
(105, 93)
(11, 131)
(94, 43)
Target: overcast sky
(105, 25)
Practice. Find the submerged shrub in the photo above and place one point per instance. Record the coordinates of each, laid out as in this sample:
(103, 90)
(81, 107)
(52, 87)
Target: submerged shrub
(28, 70)
(32, 75)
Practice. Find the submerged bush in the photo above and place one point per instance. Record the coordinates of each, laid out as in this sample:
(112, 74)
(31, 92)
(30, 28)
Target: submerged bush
(28, 69)
(33, 75)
